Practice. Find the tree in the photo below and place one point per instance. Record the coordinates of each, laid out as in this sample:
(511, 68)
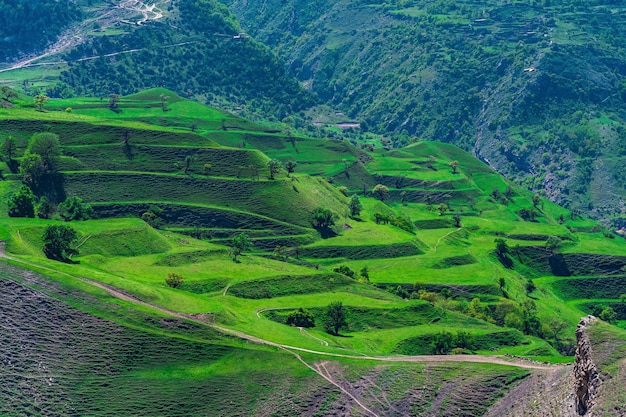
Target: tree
(445, 292)
(7, 93)
(501, 283)
(553, 243)
(32, 168)
(380, 191)
(364, 275)
(536, 200)
(164, 99)
(73, 208)
(207, 168)
(47, 146)
(442, 343)
(153, 216)
(174, 280)
(40, 100)
(457, 220)
(556, 327)
(508, 193)
(9, 148)
(324, 218)
(240, 244)
(188, 160)
(455, 166)
(290, 166)
(335, 318)
(22, 203)
(114, 100)
(301, 318)
(45, 209)
(355, 206)
(58, 241)
(608, 314)
(345, 270)
(274, 166)
(442, 208)
(530, 286)
(502, 248)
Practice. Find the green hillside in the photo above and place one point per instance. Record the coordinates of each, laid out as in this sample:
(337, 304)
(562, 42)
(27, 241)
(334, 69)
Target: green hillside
(444, 257)
(536, 89)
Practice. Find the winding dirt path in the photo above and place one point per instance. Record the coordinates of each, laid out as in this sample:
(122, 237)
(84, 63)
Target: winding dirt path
(77, 34)
(304, 332)
(443, 237)
(117, 293)
(318, 368)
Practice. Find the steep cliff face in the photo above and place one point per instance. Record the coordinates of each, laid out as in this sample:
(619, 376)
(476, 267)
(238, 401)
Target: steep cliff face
(586, 373)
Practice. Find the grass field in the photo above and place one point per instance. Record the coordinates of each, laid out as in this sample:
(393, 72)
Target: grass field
(435, 271)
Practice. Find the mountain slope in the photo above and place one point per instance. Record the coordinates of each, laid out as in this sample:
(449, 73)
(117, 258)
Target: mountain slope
(535, 90)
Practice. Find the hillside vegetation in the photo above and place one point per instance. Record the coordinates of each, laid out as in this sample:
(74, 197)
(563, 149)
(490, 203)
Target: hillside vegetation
(535, 89)
(444, 256)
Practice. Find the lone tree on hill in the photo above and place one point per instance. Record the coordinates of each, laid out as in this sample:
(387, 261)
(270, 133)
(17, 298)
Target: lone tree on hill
(502, 248)
(164, 99)
(114, 100)
(188, 161)
(58, 241)
(274, 166)
(290, 166)
(380, 191)
(324, 218)
(455, 166)
(22, 203)
(335, 319)
(355, 206)
(536, 201)
(40, 101)
(457, 220)
(240, 244)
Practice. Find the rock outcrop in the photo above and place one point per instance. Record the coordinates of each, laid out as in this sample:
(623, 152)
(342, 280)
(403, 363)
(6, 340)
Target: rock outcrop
(586, 373)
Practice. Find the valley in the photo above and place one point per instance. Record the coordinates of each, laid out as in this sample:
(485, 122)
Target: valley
(347, 208)
(417, 267)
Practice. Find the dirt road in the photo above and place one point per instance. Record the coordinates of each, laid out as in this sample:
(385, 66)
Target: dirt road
(110, 15)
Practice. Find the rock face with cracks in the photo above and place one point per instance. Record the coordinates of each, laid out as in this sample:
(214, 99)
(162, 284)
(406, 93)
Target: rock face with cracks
(586, 373)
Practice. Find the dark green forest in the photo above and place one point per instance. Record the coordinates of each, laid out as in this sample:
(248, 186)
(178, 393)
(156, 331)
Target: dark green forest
(32, 24)
(536, 89)
(204, 57)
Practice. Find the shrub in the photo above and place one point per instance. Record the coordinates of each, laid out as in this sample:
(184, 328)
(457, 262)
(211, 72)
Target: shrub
(345, 270)
(22, 203)
(73, 208)
(58, 241)
(174, 280)
(301, 318)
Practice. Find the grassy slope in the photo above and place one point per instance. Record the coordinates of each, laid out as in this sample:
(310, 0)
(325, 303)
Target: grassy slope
(129, 254)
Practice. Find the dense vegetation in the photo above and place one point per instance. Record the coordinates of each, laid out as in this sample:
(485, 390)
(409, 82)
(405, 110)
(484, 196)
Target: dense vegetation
(537, 89)
(29, 25)
(197, 52)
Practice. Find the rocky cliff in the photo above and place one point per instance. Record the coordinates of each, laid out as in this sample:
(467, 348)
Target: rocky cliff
(586, 373)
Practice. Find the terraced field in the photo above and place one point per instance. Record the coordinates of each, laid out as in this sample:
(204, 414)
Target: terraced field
(418, 270)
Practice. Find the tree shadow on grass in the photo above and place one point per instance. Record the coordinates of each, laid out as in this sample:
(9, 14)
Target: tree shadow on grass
(326, 232)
